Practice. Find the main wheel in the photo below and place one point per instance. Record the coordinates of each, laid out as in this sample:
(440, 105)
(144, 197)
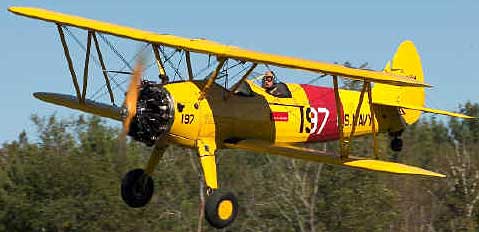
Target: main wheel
(396, 144)
(221, 209)
(136, 188)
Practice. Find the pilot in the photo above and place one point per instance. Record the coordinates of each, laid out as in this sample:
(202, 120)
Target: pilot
(274, 88)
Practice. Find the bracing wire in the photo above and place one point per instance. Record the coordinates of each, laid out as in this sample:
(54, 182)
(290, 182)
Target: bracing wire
(95, 58)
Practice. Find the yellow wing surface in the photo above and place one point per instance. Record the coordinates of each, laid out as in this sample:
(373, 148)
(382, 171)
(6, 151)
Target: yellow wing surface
(88, 106)
(216, 49)
(323, 157)
(420, 108)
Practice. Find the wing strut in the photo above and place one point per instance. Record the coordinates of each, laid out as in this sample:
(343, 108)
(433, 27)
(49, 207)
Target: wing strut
(373, 124)
(356, 116)
(337, 98)
(159, 63)
(238, 84)
(81, 96)
(85, 69)
(348, 142)
(103, 69)
(212, 78)
(70, 62)
(188, 65)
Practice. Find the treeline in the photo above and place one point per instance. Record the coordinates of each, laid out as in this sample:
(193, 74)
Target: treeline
(67, 178)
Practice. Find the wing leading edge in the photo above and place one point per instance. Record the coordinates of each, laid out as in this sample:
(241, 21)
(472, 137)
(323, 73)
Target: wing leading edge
(217, 49)
(323, 157)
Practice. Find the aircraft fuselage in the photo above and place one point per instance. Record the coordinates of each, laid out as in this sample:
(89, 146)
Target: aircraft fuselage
(310, 115)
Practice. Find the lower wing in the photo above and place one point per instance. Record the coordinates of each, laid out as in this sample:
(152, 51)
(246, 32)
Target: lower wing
(329, 158)
(88, 106)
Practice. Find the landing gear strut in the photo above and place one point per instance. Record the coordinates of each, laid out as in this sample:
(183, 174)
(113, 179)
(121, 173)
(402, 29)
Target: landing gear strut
(221, 209)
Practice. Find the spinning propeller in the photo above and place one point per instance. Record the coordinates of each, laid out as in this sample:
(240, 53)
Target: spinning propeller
(156, 115)
(131, 98)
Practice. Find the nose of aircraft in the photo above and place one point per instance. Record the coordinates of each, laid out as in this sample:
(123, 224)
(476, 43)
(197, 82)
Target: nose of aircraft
(154, 113)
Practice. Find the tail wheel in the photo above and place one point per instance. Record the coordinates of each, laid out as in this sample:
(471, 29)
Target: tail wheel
(221, 209)
(136, 188)
(396, 144)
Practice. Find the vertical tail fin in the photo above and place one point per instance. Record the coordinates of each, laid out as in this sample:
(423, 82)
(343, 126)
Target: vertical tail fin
(405, 62)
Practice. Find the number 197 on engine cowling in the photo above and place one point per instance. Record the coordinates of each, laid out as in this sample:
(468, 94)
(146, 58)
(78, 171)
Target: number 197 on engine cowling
(187, 118)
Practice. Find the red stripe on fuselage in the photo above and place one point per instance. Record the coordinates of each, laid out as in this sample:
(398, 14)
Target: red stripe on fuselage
(322, 106)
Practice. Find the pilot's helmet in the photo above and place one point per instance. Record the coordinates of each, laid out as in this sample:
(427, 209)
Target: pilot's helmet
(268, 76)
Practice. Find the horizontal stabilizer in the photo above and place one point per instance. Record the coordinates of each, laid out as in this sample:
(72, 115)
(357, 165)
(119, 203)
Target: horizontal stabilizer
(88, 106)
(330, 158)
(423, 109)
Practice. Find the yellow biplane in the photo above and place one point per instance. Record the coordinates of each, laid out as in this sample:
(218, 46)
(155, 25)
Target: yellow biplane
(205, 116)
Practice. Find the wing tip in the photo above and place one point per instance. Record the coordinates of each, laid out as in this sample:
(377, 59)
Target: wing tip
(13, 9)
(467, 117)
(441, 175)
(391, 167)
(16, 9)
(19, 10)
(428, 173)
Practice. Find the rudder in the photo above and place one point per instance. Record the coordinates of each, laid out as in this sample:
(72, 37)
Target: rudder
(406, 62)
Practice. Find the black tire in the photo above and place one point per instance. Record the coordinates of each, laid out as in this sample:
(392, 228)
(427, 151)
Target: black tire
(396, 144)
(135, 190)
(221, 209)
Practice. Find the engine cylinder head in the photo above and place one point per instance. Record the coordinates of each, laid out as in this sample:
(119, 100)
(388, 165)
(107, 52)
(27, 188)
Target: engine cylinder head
(155, 113)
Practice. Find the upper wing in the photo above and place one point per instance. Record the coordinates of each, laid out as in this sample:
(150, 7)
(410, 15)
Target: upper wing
(217, 49)
(323, 157)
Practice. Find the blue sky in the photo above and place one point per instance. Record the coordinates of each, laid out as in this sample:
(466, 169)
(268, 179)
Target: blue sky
(445, 33)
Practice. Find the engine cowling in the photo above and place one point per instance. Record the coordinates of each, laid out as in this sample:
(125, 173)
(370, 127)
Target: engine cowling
(154, 114)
